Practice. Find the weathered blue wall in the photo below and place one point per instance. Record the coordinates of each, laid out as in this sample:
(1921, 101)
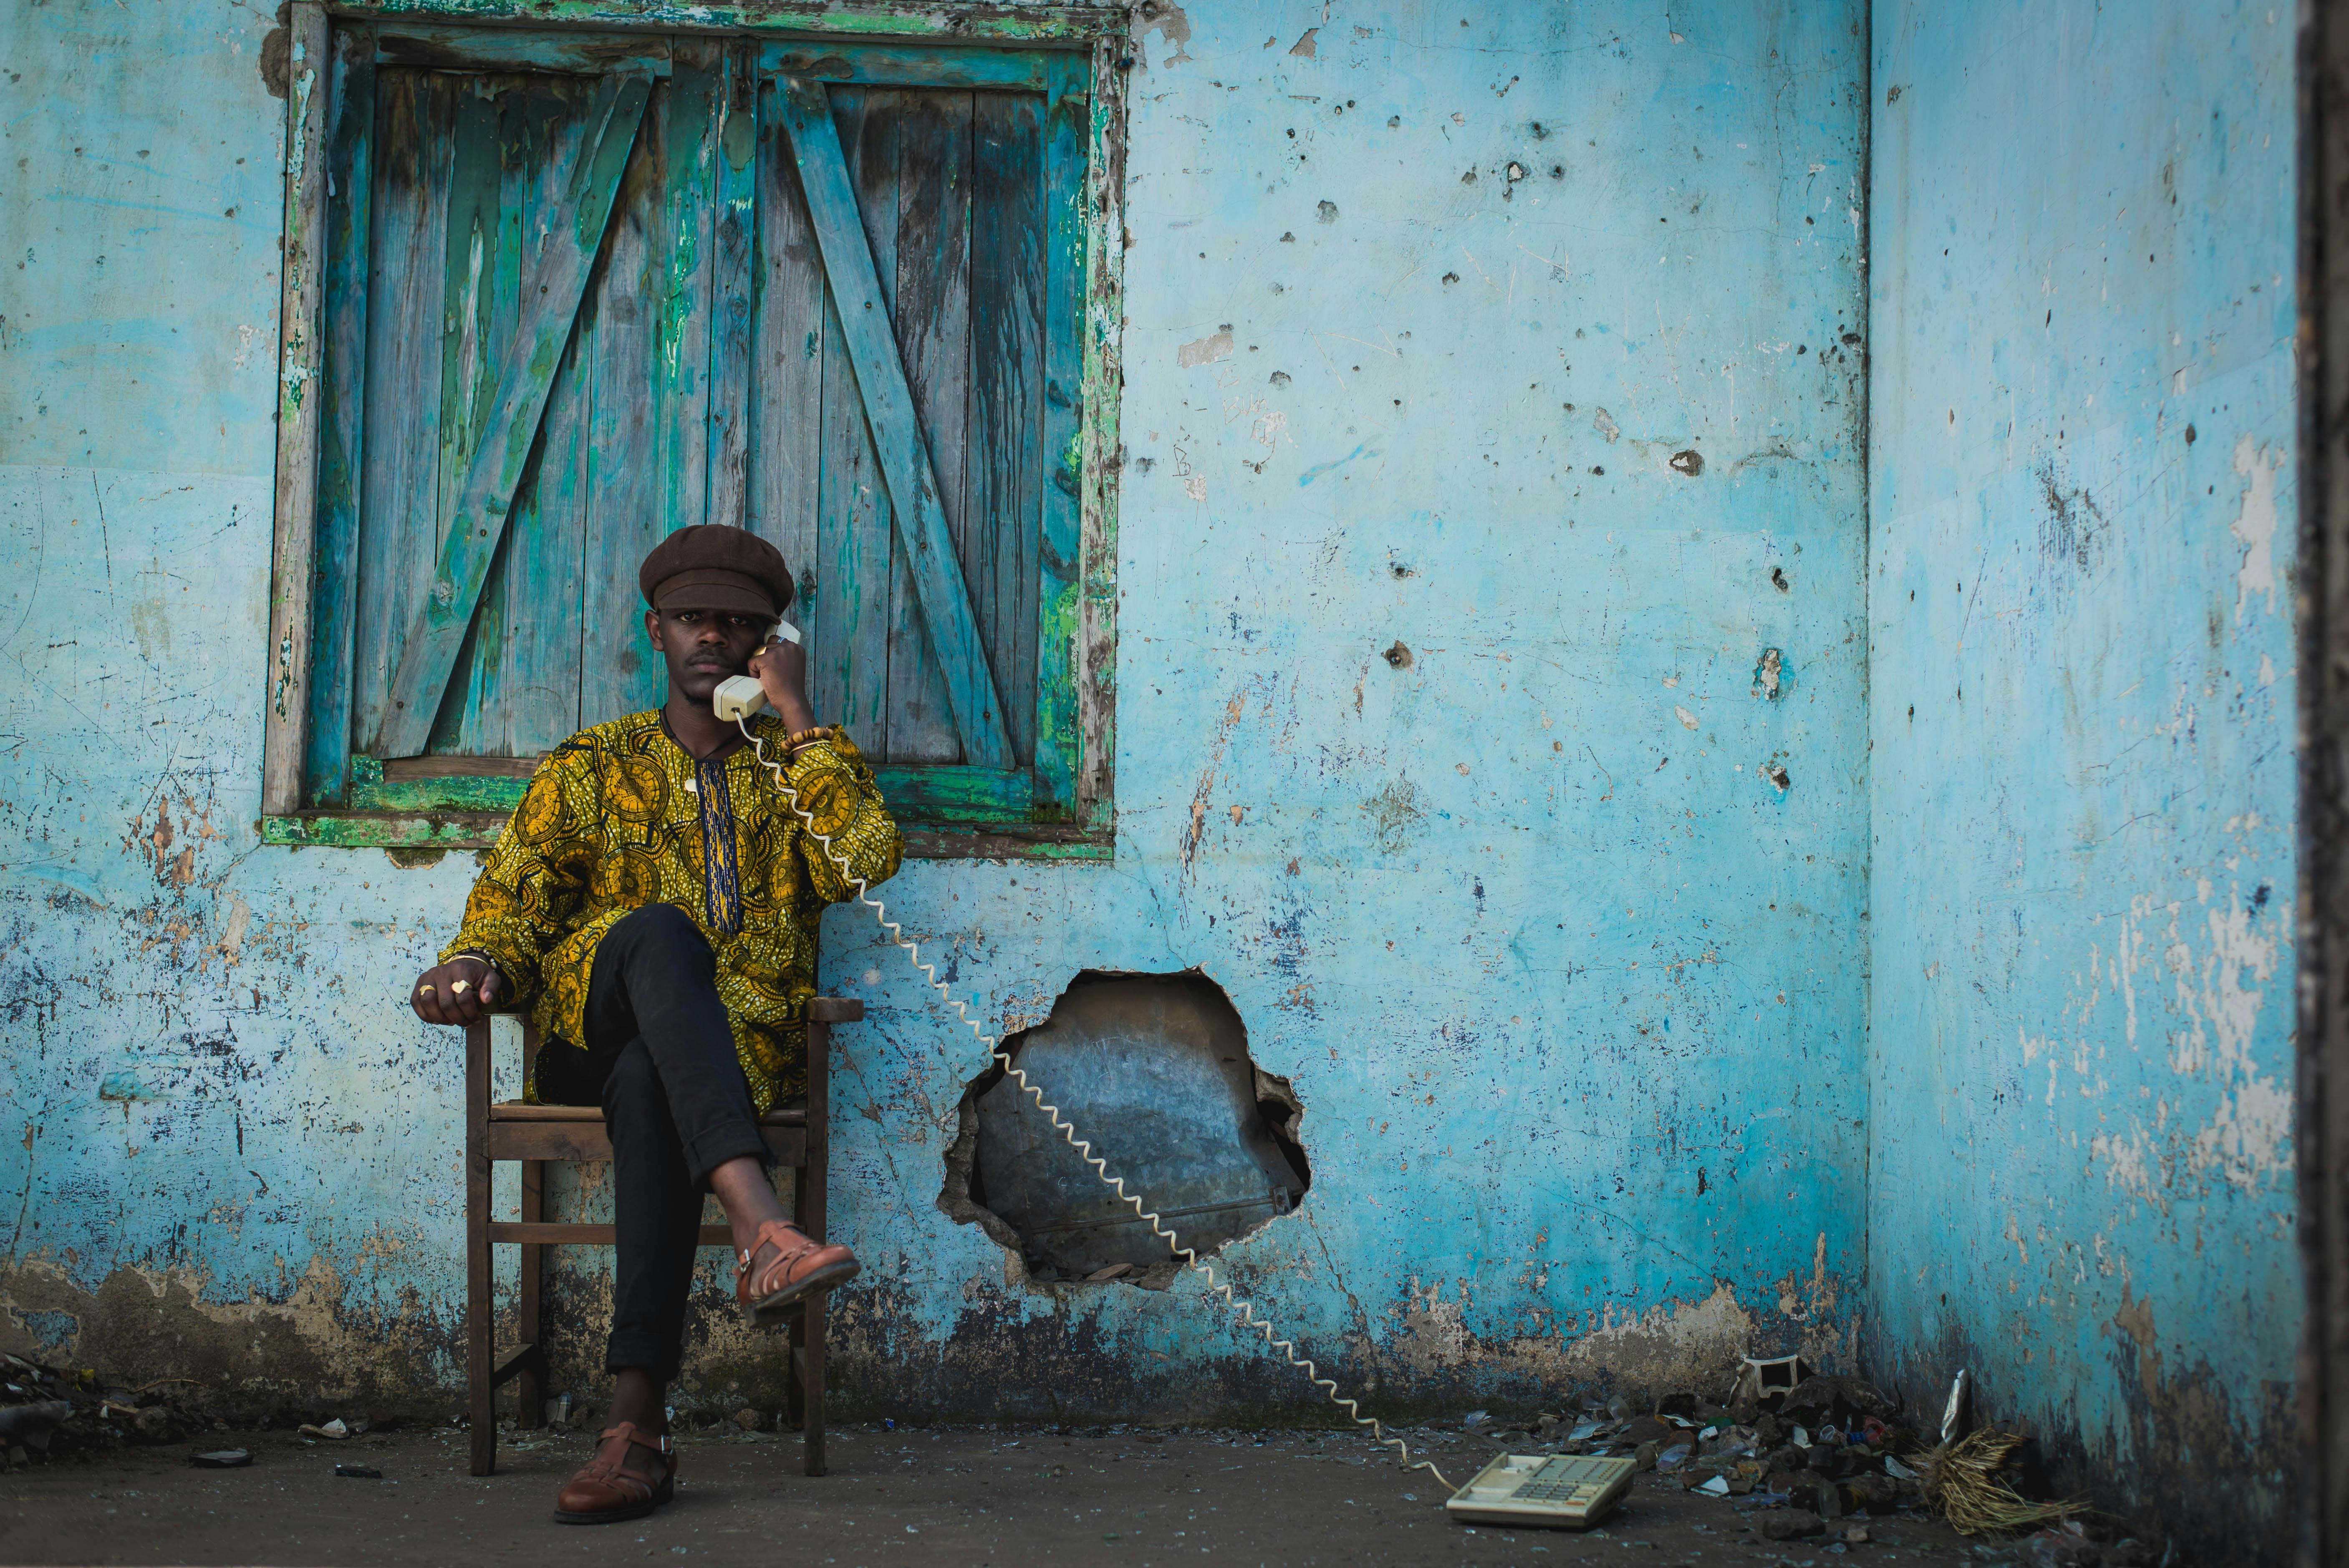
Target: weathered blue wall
(2082, 684)
(1543, 359)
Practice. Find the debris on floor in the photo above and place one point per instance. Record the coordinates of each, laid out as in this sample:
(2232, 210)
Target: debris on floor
(2068, 1545)
(1814, 1452)
(41, 1406)
(222, 1458)
(30, 1426)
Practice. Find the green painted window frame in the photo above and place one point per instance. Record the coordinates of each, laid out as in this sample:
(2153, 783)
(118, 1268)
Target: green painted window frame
(1062, 807)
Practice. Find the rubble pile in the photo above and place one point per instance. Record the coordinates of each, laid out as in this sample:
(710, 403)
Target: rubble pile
(1819, 1459)
(1828, 1449)
(44, 1409)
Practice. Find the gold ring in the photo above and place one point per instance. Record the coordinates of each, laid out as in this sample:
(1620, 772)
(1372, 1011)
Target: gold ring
(427, 991)
(461, 988)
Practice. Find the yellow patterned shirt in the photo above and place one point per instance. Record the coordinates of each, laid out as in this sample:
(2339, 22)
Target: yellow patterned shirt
(619, 816)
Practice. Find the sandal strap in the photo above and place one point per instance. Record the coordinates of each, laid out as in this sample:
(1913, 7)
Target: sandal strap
(635, 1434)
(771, 1234)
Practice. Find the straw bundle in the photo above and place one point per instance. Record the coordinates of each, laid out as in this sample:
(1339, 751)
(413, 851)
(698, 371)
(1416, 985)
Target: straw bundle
(1962, 1484)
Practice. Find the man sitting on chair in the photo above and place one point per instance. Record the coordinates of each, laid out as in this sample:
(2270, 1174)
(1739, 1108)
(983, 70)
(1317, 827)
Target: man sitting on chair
(654, 906)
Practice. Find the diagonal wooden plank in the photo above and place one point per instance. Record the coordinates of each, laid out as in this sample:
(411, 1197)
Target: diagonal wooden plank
(551, 295)
(904, 456)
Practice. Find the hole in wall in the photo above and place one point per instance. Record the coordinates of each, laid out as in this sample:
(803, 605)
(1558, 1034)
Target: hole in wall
(1155, 1070)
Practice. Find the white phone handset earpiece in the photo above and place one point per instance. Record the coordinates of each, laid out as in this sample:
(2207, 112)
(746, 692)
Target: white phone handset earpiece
(738, 697)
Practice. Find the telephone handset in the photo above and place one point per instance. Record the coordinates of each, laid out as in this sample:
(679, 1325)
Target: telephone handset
(738, 698)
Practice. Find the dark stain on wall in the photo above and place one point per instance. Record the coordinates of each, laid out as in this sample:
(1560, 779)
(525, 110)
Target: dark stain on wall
(2212, 1468)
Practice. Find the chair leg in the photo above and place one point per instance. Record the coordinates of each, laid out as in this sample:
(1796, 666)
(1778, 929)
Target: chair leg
(795, 1374)
(480, 1324)
(810, 1367)
(808, 1194)
(529, 1392)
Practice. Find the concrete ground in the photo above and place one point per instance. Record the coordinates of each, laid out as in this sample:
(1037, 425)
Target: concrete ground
(1016, 1497)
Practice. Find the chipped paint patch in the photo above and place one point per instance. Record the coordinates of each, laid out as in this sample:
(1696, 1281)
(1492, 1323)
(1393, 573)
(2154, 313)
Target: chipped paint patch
(1217, 345)
(2255, 524)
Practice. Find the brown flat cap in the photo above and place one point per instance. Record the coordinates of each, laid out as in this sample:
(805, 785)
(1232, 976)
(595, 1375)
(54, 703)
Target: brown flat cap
(710, 566)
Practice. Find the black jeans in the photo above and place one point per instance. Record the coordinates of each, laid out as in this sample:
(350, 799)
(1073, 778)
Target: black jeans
(659, 1058)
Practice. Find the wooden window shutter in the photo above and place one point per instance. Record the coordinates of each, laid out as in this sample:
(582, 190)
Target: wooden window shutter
(581, 290)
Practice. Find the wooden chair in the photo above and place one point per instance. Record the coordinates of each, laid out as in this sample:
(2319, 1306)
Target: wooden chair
(535, 1134)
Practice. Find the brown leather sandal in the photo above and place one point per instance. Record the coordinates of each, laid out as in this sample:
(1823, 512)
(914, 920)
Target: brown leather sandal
(606, 1490)
(795, 1273)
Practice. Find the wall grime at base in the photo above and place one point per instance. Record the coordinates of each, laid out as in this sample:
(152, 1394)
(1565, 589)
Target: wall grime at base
(2082, 684)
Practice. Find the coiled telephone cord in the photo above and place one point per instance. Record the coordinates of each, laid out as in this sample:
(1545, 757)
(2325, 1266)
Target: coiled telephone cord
(1245, 1309)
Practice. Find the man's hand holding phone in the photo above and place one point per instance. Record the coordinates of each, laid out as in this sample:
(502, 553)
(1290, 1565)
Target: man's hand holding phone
(781, 666)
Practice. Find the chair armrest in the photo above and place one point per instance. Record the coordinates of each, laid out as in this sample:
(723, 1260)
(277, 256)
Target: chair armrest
(835, 1009)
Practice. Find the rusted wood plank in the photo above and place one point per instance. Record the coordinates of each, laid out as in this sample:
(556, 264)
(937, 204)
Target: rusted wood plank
(518, 673)
(849, 673)
(685, 288)
(301, 343)
(480, 285)
(1104, 328)
(952, 26)
(896, 433)
(471, 48)
(1058, 673)
(734, 290)
(471, 334)
(551, 301)
(398, 507)
(930, 310)
(334, 601)
(619, 331)
(1004, 474)
(908, 65)
(786, 393)
(401, 769)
